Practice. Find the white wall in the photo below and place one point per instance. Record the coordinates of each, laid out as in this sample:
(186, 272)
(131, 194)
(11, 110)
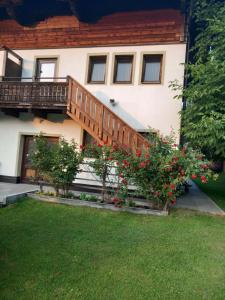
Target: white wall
(140, 105)
(12, 129)
(2, 62)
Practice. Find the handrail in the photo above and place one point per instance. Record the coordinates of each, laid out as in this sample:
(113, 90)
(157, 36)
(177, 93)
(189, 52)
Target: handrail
(99, 120)
(34, 94)
(33, 79)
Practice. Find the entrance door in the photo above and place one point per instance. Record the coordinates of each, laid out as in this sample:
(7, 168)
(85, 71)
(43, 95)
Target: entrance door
(27, 173)
(46, 69)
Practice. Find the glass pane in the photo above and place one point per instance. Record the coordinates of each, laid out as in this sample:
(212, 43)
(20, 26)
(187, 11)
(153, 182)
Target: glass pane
(98, 71)
(152, 66)
(123, 71)
(47, 70)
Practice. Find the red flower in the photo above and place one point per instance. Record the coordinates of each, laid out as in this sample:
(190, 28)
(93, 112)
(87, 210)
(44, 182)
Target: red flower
(203, 179)
(117, 163)
(138, 153)
(193, 176)
(170, 194)
(126, 163)
(81, 147)
(100, 145)
(121, 175)
(124, 181)
(173, 202)
(147, 155)
(172, 186)
(115, 200)
(142, 165)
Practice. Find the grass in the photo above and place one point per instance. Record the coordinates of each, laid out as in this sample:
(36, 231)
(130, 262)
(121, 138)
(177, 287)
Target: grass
(215, 190)
(50, 251)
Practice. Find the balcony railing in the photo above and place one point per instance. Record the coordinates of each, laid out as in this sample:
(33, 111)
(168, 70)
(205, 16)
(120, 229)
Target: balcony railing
(43, 93)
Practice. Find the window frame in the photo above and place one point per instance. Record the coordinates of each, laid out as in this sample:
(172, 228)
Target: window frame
(90, 67)
(142, 68)
(115, 64)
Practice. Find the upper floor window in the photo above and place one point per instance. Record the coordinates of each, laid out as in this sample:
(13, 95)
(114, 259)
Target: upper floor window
(97, 69)
(46, 69)
(123, 69)
(152, 68)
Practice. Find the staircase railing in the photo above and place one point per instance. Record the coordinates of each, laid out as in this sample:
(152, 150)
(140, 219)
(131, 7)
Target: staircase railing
(98, 120)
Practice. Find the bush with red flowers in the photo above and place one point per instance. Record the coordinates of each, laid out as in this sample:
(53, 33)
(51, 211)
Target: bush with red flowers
(159, 170)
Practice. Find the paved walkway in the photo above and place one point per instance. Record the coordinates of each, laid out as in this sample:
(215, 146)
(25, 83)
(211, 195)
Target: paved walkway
(10, 192)
(197, 200)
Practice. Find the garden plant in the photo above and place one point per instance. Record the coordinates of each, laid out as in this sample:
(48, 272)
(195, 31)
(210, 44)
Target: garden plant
(57, 164)
(158, 171)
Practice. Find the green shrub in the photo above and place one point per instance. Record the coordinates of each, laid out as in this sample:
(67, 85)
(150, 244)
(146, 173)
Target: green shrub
(86, 197)
(57, 164)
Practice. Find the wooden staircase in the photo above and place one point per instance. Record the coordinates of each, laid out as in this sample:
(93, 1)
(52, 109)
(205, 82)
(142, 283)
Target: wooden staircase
(99, 121)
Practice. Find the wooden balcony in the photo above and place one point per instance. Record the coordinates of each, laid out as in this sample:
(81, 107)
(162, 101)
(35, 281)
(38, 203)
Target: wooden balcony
(68, 95)
(29, 94)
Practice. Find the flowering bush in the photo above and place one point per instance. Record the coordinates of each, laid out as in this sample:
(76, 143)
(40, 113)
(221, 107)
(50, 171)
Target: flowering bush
(58, 164)
(160, 169)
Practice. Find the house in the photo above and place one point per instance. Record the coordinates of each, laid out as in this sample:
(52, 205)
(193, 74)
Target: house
(107, 80)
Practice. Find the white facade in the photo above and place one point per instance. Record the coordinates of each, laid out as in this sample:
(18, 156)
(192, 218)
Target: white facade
(140, 105)
(13, 129)
(2, 62)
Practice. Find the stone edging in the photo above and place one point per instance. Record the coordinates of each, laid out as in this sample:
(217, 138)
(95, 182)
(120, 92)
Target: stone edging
(76, 202)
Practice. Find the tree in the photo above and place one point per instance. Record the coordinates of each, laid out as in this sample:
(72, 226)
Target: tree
(203, 120)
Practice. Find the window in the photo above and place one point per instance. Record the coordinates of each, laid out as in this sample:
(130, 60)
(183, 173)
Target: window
(97, 69)
(123, 69)
(46, 69)
(87, 139)
(151, 68)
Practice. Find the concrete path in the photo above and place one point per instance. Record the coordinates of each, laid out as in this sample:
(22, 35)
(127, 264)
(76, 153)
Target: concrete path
(10, 192)
(197, 200)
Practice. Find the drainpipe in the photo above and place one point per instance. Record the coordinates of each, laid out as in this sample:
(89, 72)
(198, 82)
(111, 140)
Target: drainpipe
(188, 18)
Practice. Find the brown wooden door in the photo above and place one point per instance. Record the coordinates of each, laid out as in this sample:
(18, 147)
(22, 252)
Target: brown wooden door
(27, 173)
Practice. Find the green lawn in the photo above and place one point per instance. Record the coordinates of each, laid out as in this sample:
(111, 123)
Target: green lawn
(50, 251)
(215, 190)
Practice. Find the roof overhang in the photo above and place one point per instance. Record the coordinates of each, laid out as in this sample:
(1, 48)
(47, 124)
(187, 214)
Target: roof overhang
(29, 12)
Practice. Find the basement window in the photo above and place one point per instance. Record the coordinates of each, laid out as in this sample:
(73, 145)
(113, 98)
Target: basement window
(123, 69)
(97, 69)
(152, 68)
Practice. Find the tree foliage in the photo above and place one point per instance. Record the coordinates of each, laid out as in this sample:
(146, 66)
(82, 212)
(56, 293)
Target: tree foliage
(204, 117)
